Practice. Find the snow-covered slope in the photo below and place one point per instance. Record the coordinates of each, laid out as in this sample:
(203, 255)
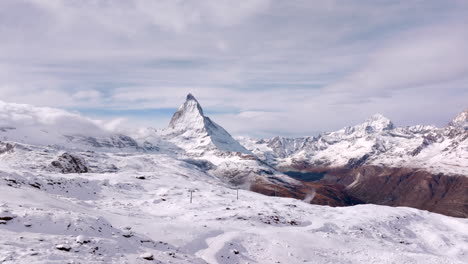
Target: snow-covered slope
(374, 142)
(144, 211)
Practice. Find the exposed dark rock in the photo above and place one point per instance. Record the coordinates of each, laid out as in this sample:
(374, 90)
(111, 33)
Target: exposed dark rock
(6, 148)
(70, 163)
(63, 247)
(147, 256)
(6, 216)
(356, 162)
(201, 164)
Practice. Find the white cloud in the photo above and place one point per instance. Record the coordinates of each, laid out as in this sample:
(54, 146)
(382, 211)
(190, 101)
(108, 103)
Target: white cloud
(56, 120)
(297, 66)
(415, 58)
(87, 95)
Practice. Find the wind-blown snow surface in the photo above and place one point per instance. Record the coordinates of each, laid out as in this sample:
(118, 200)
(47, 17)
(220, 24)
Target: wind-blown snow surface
(144, 209)
(216, 228)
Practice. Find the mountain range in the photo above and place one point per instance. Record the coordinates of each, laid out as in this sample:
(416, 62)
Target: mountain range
(374, 162)
(70, 189)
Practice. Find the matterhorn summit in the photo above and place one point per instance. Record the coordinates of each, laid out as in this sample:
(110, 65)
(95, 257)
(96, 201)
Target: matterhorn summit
(191, 130)
(189, 116)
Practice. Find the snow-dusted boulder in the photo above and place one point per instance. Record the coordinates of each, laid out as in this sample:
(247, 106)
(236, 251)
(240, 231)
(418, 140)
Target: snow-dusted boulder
(70, 163)
(81, 239)
(6, 215)
(147, 256)
(6, 147)
(63, 247)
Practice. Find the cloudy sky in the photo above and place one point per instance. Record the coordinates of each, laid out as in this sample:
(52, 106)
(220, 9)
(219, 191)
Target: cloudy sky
(258, 67)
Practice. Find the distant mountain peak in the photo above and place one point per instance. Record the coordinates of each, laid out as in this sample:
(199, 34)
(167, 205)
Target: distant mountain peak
(378, 122)
(190, 128)
(461, 120)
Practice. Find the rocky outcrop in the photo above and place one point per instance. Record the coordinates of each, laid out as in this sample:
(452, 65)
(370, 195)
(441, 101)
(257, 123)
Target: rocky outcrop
(6, 148)
(70, 163)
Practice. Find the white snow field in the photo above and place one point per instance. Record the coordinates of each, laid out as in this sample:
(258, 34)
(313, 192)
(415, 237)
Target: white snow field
(144, 210)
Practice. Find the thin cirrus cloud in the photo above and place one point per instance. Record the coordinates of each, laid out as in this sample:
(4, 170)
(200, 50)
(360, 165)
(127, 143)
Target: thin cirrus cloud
(259, 67)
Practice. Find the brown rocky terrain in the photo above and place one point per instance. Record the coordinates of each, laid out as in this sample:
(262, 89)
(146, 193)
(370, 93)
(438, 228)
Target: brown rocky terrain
(331, 194)
(416, 188)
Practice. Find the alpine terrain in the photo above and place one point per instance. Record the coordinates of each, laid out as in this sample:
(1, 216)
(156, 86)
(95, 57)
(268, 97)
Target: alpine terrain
(72, 191)
(419, 166)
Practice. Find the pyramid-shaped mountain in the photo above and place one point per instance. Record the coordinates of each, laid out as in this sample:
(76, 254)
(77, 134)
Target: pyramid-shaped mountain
(191, 130)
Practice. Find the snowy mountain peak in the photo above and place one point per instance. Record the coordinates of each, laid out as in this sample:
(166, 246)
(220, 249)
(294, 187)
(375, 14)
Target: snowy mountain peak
(190, 97)
(190, 114)
(461, 120)
(191, 130)
(376, 123)
(379, 122)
